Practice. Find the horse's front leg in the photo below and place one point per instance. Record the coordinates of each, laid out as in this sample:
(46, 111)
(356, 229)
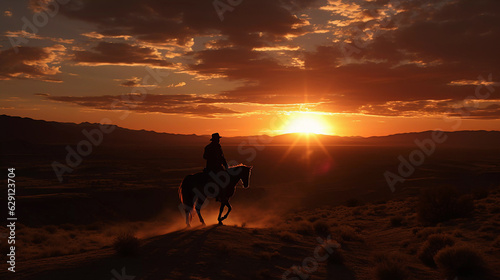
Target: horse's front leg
(220, 213)
(228, 210)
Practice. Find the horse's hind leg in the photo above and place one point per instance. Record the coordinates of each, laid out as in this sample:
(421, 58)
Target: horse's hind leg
(188, 210)
(198, 206)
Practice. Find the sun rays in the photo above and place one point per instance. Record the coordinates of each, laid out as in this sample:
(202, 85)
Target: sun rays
(307, 128)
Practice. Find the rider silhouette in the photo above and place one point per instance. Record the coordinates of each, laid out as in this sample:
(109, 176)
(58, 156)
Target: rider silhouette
(214, 155)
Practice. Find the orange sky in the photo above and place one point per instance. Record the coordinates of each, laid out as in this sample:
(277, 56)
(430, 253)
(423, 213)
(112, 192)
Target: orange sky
(359, 67)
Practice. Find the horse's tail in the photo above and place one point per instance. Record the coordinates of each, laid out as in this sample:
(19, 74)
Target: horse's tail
(186, 194)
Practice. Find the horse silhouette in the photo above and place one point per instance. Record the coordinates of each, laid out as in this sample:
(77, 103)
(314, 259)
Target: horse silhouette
(196, 188)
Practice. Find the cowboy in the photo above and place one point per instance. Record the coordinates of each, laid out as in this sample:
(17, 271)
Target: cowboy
(214, 155)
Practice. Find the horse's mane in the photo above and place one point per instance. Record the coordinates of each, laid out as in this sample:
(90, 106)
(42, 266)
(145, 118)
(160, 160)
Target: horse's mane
(239, 165)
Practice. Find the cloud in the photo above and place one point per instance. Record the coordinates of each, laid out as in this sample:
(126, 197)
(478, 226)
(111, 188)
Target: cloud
(27, 35)
(194, 105)
(31, 63)
(160, 21)
(181, 84)
(408, 57)
(133, 82)
(415, 55)
(468, 109)
(106, 53)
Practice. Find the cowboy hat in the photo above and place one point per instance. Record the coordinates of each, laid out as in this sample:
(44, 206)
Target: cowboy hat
(215, 136)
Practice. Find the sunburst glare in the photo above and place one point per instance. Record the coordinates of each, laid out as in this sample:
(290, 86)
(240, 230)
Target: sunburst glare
(307, 122)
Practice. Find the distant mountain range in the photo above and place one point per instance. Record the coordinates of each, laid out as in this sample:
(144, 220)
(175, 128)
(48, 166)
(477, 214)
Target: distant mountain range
(19, 133)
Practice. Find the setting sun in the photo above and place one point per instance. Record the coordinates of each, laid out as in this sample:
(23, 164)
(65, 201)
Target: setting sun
(307, 123)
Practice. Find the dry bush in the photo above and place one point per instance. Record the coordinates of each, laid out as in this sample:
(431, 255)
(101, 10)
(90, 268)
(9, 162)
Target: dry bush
(496, 242)
(391, 267)
(39, 237)
(321, 228)
(357, 211)
(425, 232)
(461, 261)
(126, 244)
(297, 219)
(264, 274)
(397, 221)
(267, 256)
(288, 237)
(334, 252)
(495, 210)
(336, 257)
(313, 219)
(441, 204)
(348, 233)
(303, 228)
(221, 250)
(50, 229)
(432, 246)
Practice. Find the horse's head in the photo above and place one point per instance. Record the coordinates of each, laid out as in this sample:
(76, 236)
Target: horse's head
(241, 172)
(245, 175)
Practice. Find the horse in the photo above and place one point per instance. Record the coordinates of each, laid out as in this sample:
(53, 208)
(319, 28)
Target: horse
(196, 188)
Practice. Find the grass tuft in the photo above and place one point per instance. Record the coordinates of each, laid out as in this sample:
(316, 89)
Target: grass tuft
(432, 246)
(461, 261)
(126, 244)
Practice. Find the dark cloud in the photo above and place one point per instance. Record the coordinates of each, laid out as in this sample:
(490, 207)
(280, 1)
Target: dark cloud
(410, 57)
(30, 63)
(159, 21)
(470, 109)
(428, 45)
(131, 83)
(166, 104)
(120, 53)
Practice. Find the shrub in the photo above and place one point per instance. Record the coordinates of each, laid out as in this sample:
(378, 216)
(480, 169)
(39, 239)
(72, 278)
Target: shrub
(441, 204)
(391, 267)
(336, 257)
(397, 221)
(263, 274)
(50, 229)
(126, 244)
(334, 252)
(349, 234)
(496, 242)
(321, 228)
(461, 261)
(297, 219)
(303, 228)
(425, 232)
(287, 236)
(312, 219)
(431, 247)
